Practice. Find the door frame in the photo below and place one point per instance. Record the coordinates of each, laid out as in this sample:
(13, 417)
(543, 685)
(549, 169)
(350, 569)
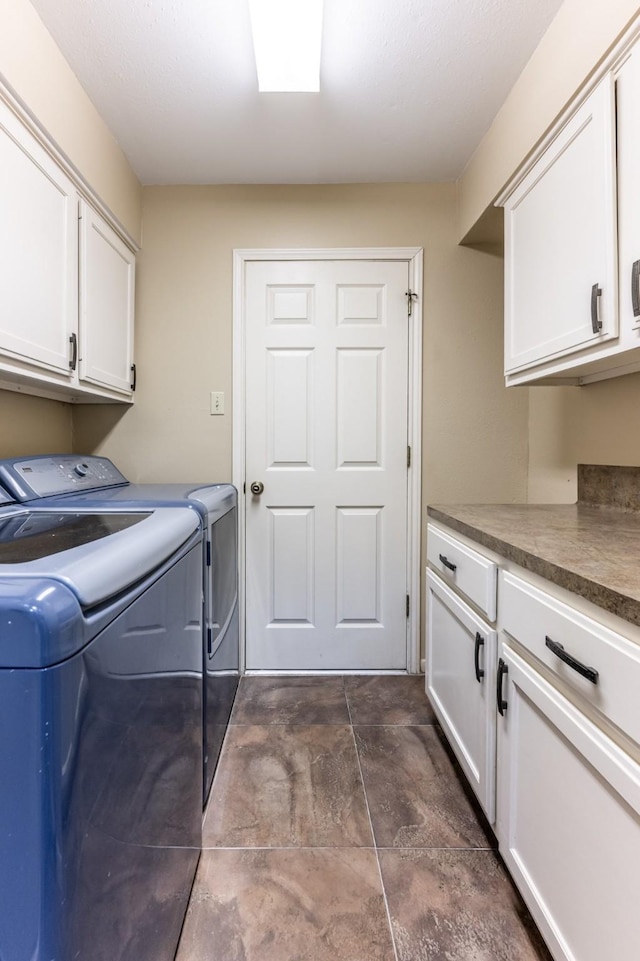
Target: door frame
(413, 257)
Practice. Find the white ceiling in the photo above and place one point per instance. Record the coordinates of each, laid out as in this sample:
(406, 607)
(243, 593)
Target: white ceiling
(408, 87)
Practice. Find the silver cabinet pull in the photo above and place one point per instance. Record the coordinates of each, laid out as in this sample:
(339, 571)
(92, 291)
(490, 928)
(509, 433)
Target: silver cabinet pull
(73, 340)
(635, 288)
(596, 323)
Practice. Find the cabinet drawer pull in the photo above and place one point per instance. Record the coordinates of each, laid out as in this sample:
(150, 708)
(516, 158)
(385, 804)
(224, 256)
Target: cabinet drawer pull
(596, 323)
(589, 672)
(476, 657)
(73, 340)
(635, 288)
(134, 377)
(502, 670)
(447, 563)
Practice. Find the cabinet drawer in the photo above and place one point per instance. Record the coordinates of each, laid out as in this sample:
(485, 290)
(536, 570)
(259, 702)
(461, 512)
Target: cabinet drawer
(473, 575)
(539, 622)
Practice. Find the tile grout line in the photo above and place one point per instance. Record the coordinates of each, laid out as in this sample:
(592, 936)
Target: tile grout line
(375, 847)
(337, 847)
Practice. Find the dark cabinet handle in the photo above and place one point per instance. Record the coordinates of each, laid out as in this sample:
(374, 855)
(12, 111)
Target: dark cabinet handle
(73, 340)
(589, 672)
(502, 670)
(596, 323)
(635, 288)
(134, 377)
(476, 657)
(447, 563)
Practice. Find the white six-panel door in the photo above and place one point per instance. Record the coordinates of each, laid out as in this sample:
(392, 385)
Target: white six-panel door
(326, 434)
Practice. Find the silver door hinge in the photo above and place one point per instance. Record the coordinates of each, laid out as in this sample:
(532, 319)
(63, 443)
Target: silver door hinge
(408, 456)
(408, 605)
(411, 296)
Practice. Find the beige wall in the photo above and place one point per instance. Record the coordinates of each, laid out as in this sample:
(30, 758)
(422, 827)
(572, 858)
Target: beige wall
(31, 63)
(474, 433)
(596, 424)
(577, 39)
(32, 425)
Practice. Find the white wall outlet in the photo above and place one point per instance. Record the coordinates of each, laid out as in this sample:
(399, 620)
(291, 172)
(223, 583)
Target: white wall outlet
(217, 402)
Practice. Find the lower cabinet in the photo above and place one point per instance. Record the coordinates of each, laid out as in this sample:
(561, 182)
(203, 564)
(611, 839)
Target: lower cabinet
(460, 671)
(542, 706)
(568, 819)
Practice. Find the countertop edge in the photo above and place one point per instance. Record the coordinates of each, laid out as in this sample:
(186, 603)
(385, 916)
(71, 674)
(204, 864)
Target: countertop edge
(621, 605)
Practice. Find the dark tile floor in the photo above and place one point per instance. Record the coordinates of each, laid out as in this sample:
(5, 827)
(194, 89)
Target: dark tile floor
(338, 829)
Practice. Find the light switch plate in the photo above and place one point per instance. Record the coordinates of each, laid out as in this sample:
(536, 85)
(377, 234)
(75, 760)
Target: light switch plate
(217, 402)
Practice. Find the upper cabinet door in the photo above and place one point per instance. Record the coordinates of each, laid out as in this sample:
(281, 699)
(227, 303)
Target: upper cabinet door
(628, 97)
(38, 252)
(560, 242)
(107, 272)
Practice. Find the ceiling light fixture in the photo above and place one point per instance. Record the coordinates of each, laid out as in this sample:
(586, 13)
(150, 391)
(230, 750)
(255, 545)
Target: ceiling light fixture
(287, 36)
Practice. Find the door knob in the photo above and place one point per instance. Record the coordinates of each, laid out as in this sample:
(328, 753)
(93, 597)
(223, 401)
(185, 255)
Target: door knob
(257, 488)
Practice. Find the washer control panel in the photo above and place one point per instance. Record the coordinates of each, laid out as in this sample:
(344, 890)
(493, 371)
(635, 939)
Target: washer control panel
(35, 477)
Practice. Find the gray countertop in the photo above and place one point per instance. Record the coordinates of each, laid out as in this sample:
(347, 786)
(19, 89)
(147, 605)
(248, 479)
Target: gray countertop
(592, 550)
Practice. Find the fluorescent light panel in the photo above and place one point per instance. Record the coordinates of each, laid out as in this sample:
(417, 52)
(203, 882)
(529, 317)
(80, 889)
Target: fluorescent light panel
(287, 36)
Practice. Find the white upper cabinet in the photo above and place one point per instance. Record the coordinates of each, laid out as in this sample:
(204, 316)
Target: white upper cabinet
(628, 94)
(66, 279)
(560, 242)
(107, 271)
(572, 240)
(38, 252)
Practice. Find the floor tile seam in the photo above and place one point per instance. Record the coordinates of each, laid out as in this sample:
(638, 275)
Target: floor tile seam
(297, 847)
(340, 847)
(346, 697)
(386, 847)
(366, 801)
(398, 724)
(291, 724)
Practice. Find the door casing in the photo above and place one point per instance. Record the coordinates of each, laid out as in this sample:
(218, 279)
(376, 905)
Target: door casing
(413, 256)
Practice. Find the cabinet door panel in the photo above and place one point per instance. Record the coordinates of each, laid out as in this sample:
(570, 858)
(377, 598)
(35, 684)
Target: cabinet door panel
(107, 270)
(568, 821)
(38, 251)
(560, 241)
(464, 705)
(627, 98)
